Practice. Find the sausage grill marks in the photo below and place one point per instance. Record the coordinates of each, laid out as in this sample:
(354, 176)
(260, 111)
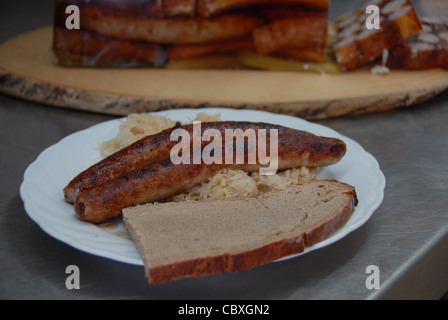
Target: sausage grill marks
(150, 149)
(143, 172)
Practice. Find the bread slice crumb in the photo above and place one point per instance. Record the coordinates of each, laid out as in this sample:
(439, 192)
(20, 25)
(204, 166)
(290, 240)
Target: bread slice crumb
(191, 239)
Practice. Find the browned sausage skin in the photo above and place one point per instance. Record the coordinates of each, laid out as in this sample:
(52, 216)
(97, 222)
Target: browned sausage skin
(182, 30)
(163, 179)
(147, 150)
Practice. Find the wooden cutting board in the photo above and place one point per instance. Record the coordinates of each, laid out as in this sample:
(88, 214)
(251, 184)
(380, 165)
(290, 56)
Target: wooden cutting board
(27, 70)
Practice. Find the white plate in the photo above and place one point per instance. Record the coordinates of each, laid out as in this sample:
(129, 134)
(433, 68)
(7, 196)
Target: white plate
(45, 179)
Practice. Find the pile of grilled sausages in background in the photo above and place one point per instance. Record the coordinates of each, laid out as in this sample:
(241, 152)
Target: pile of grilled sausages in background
(144, 33)
(155, 32)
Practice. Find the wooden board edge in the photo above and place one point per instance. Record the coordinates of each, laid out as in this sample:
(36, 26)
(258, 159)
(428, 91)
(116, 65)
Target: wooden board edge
(122, 105)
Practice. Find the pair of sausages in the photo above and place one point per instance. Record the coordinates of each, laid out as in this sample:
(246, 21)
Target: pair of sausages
(143, 172)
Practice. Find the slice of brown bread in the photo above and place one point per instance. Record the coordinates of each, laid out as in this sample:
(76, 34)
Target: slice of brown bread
(192, 239)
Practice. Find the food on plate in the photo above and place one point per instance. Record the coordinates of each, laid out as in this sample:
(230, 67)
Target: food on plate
(124, 25)
(225, 184)
(138, 133)
(161, 33)
(192, 239)
(357, 46)
(427, 50)
(197, 219)
(239, 184)
(144, 171)
(156, 148)
(138, 126)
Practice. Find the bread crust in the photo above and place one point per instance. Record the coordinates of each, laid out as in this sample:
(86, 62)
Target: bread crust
(325, 230)
(226, 263)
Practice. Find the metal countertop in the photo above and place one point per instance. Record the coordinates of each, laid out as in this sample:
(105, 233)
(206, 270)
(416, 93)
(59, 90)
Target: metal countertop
(407, 237)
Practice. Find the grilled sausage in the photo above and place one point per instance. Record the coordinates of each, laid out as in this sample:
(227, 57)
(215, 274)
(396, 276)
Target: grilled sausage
(309, 32)
(150, 149)
(163, 179)
(124, 25)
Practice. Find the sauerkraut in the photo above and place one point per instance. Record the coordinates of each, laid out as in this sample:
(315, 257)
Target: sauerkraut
(138, 126)
(235, 184)
(224, 185)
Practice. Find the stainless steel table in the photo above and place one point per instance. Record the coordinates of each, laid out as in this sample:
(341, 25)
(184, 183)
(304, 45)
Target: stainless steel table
(407, 237)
